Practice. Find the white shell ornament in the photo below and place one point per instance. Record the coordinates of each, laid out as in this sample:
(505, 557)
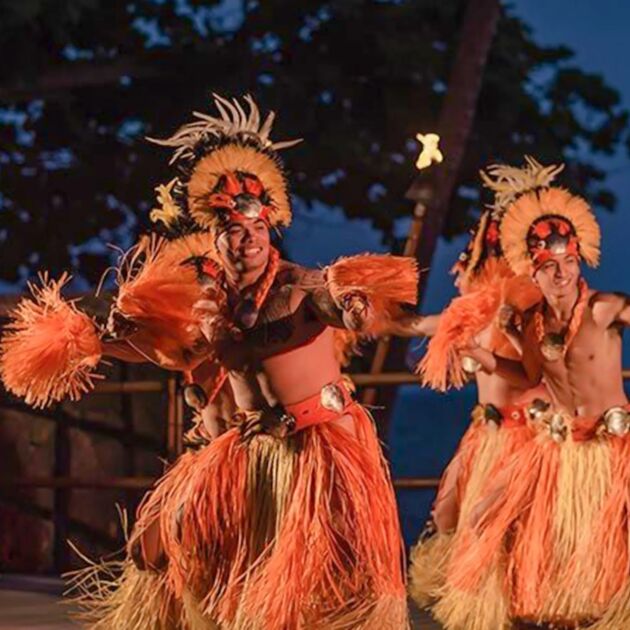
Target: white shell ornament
(552, 347)
(558, 428)
(332, 398)
(617, 421)
(470, 365)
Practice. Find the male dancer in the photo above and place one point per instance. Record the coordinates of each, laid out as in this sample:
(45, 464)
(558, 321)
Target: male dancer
(501, 420)
(559, 509)
(287, 519)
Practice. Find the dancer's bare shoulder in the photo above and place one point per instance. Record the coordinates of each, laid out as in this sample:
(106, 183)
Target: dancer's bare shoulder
(609, 308)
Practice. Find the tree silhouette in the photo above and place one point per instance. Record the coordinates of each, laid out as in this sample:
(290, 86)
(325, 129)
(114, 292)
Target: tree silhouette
(88, 79)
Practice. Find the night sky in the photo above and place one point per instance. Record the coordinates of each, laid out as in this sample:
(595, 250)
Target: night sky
(597, 32)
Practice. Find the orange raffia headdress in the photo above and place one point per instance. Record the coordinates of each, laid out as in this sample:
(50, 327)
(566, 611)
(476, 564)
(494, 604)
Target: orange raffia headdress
(507, 183)
(541, 220)
(229, 169)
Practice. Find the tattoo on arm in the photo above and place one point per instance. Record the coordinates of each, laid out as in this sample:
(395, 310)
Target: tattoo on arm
(311, 284)
(324, 308)
(277, 306)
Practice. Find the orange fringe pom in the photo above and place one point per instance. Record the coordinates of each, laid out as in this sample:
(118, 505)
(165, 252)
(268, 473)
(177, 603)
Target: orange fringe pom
(465, 317)
(494, 270)
(157, 291)
(50, 349)
(285, 534)
(470, 314)
(387, 281)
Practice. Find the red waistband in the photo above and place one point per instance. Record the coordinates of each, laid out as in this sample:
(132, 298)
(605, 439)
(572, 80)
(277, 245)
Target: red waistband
(514, 415)
(312, 410)
(585, 428)
(509, 416)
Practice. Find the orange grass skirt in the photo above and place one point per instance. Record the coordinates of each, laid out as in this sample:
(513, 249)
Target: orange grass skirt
(481, 449)
(274, 534)
(552, 544)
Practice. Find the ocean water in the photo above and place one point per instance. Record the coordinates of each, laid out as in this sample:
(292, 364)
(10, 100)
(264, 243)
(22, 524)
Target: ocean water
(425, 430)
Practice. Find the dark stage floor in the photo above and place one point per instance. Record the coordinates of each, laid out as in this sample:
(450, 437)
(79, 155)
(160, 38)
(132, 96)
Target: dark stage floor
(30, 610)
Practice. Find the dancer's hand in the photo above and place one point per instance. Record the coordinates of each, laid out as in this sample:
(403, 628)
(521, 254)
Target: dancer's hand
(357, 313)
(484, 357)
(506, 318)
(119, 326)
(272, 421)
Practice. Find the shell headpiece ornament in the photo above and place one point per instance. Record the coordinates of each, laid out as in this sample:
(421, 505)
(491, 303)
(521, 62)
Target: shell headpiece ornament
(540, 220)
(229, 168)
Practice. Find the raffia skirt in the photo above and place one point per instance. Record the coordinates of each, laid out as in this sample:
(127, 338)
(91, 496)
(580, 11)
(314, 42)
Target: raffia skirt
(292, 534)
(484, 444)
(552, 547)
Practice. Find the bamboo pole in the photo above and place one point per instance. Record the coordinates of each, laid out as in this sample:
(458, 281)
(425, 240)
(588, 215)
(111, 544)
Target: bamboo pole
(384, 379)
(65, 482)
(129, 387)
(144, 483)
(382, 347)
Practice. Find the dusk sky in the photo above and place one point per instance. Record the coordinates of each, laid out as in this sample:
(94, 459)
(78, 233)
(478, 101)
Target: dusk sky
(597, 32)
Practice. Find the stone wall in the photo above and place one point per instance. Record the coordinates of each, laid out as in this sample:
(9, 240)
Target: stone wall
(100, 436)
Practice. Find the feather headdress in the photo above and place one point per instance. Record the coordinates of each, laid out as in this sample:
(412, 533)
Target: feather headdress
(229, 166)
(507, 183)
(538, 219)
(510, 182)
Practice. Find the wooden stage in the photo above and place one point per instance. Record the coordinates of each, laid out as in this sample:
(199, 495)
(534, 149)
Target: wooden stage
(39, 608)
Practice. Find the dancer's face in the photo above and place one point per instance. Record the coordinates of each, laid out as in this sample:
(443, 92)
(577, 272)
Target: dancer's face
(244, 245)
(558, 277)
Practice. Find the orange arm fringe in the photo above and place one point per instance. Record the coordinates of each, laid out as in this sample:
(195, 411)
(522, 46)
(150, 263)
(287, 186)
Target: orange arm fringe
(51, 349)
(466, 317)
(157, 292)
(387, 281)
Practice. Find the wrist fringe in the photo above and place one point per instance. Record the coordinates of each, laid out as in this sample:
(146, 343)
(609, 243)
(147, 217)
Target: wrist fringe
(51, 349)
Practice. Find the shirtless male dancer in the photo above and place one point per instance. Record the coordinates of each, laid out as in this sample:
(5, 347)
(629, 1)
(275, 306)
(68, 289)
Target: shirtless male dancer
(501, 419)
(559, 509)
(287, 518)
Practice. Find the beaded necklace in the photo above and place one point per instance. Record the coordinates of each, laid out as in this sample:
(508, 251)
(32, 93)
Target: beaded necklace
(553, 346)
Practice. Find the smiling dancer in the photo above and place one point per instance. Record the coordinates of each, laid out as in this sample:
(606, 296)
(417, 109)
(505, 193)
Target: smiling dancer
(287, 519)
(559, 509)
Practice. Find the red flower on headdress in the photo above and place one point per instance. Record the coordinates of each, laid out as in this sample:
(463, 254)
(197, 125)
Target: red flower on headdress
(253, 186)
(242, 195)
(221, 200)
(230, 185)
(564, 228)
(543, 229)
(492, 233)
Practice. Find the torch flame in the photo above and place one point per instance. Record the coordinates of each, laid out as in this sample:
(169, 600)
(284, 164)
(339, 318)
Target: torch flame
(430, 150)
